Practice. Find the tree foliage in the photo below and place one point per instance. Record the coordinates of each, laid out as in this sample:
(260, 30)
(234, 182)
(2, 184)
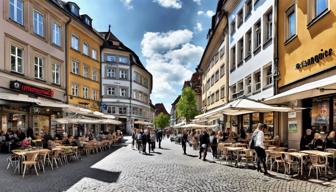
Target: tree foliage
(187, 106)
(162, 120)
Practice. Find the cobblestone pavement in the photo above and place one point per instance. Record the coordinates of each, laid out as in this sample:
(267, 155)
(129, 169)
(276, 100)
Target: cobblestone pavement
(169, 170)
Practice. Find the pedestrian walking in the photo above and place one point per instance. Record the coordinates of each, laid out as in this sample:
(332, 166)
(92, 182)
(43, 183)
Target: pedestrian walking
(159, 137)
(145, 140)
(133, 137)
(257, 143)
(184, 142)
(139, 140)
(213, 143)
(204, 144)
(152, 142)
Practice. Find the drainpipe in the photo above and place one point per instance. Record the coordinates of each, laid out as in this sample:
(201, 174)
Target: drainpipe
(131, 93)
(66, 66)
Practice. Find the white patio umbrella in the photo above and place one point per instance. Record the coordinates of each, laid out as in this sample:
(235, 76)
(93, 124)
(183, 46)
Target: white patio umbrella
(143, 123)
(193, 125)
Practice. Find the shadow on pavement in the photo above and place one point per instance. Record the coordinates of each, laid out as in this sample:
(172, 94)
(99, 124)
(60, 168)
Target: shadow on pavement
(102, 175)
(164, 148)
(191, 155)
(159, 153)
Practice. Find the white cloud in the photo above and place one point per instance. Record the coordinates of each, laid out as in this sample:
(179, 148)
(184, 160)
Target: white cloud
(171, 58)
(198, 2)
(127, 3)
(199, 27)
(176, 4)
(208, 13)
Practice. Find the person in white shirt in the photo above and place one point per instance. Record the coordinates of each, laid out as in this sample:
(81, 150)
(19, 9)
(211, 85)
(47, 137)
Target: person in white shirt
(258, 137)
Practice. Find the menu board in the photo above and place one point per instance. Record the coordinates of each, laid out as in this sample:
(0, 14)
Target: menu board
(320, 113)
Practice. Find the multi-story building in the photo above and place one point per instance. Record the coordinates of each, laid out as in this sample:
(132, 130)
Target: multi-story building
(83, 60)
(213, 66)
(32, 45)
(173, 113)
(251, 56)
(306, 52)
(195, 83)
(126, 84)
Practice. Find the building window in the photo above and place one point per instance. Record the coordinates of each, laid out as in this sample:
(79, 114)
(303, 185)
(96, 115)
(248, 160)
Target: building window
(222, 92)
(233, 27)
(86, 71)
(38, 23)
(233, 59)
(75, 67)
(110, 72)
(217, 95)
(291, 22)
(56, 34)
(16, 59)
(217, 76)
(38, 65)
(320, 7)
(257, 35)
(94, 74)
(85, 92)
(110, 91)
(74, 42)
(222, 70)
(123, 60)
(257, 81)
(248, 44)
(123, 92)
(56, 74)
(74, 89)
(233, 91)
(240, 18)
(74, 10)
(111, 58)
(16, 11)
(94, 54)
(268, 75)
(209, 101)
(248, 88)
(248, 8)
(240, 52)
(212, 80)
(268, 25)
(123, 74)
(85, 49)
(123, 110)
(111, 109)
(212, 98)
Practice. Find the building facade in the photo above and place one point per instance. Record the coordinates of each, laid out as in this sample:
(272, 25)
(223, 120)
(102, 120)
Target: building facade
(306, 31)
(33, 63)
(251, 56)
(195, 83)
(83, 65)
(173, 112)
(126, 84)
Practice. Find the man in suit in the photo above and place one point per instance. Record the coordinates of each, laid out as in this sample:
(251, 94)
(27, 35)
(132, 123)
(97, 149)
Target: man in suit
(159, 137)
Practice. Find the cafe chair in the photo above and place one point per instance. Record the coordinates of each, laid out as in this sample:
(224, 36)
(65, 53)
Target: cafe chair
(290, 162)
(44, 159)
(56, 157)
(31, 160)
(247, 157)
(278, 160)
(14, 162)
(317, 164)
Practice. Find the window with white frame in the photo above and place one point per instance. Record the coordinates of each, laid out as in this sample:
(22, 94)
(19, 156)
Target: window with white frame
(240, 18)
(74, 89)
(240, 88)
(268, 23)
(257, 35)
(110, 72)
(320, 7)
(222, 92)
(291, 22)
(39, 68)
(16, 59)
(38, 23)
(233, 27)
(212, 79)
(248, 86)
(123, 74)
(248, 8)
(248, 43)
(217, 95)
(257, 81)
(268, 75)
(209, 100)
(111, 109)
(86, 92)
(222, 70)
(86, 71)
(110, 91)
(233, 91)
(123, 60)
(74, 42)
(16, 11)
(233, 59)
(75, 67)
(240, 53)
(94, 54)
(123, 92)
(212, 98)
(94, 75)
(217, 76)
(94, 94)
(123, 110)
(56, 34)
(111, 58)
(85, 49)
(56, 74)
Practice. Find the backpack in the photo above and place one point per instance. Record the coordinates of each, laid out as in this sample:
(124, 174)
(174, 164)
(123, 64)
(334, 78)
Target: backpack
(252, 142)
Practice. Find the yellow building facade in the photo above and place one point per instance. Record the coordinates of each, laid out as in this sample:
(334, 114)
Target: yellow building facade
(83, 65)
(306, 66)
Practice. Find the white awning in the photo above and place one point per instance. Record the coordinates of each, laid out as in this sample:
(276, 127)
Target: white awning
(17, 97)
(179, 125)
(143, 123)
(68, 120)
(45, 103)
(308, 90)
(193, 125)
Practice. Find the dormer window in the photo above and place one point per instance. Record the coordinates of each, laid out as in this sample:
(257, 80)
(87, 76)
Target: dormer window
(87, 21)
(74, 9)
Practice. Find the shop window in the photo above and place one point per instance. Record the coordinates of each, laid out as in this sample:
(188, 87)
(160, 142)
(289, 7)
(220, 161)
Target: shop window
(16, 59)
(16, 11)
(320, 114)
(268, 121)
(255, 120)
(246, 123)
(334, 112)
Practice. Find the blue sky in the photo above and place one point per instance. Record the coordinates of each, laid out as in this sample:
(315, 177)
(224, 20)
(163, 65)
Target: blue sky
(169, 36)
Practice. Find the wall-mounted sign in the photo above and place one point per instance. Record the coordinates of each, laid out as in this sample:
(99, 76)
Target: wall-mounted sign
(17, 85)
(314, 59)
(292, 126)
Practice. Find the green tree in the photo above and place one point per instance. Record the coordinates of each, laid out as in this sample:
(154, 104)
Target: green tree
(161, 121)
(187, 106)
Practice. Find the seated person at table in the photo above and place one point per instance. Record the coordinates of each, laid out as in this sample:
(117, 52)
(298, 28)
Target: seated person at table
(20, 135)
(317, 143)
(306, 140)
(331, 140)
(25, 143)
(66, 140)
(51, 144)
(242, 134)
(230, 136)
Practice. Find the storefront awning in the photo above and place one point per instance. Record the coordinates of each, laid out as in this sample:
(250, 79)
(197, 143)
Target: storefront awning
(143, 123)
(45, 103)
(17, 97)
(179, 125)
(86, 121)
(308, 90)
(193, 125)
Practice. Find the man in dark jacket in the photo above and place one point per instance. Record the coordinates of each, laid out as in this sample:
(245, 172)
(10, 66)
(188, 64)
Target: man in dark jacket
(204, 143)
(159, 137)
(184, 142)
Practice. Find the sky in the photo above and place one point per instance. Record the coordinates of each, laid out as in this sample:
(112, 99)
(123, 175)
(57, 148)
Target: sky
(169, 36)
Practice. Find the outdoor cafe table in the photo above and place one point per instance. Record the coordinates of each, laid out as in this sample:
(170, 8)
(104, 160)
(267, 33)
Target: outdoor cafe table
(300, 156)
(319, 153)
(235, 150)
(22, 154)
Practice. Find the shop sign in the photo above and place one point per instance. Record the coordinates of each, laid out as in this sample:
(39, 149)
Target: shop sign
(314, 59)
(17, 85)
(291, 115)
(292, 126)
